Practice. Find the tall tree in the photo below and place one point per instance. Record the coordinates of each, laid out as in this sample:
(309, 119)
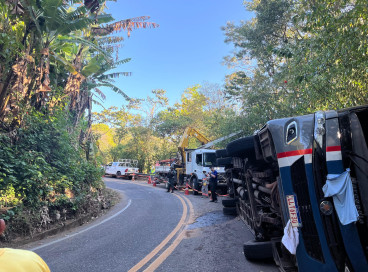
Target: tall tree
(188, 112)
(308, 56)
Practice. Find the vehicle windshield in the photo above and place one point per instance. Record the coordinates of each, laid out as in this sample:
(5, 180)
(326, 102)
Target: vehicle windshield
(209, 159)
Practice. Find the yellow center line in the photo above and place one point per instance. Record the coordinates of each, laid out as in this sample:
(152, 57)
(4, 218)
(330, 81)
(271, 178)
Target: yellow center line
(146, 259)
(160, 259)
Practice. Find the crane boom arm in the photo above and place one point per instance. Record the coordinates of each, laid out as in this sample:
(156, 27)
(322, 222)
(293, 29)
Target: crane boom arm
(190, 132)
(209, 144)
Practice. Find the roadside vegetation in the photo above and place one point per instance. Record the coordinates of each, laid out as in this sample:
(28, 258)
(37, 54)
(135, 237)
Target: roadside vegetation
(54, 58)
(297, 57)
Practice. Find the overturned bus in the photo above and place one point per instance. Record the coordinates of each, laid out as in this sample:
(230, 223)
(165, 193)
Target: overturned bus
(301, 186)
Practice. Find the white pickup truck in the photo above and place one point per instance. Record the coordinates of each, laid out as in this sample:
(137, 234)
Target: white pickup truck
(122, 168)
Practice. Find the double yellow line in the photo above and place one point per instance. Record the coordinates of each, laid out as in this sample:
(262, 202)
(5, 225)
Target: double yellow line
(185, 219)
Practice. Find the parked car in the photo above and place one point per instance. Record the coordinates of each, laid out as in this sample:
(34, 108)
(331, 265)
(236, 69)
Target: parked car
(125, 168)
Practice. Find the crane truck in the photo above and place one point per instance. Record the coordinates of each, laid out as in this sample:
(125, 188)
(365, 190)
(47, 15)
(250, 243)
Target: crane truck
(193, 164)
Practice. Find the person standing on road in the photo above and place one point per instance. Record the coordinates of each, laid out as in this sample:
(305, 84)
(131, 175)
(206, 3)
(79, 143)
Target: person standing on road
(213, 184)
(171, 183)
(19, 260)
(205, 185)
(152, 172)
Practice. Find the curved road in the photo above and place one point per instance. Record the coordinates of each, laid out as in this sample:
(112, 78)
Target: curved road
(145, 218)
(152, 230)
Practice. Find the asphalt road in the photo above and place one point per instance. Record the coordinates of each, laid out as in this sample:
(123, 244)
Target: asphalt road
(151, 230)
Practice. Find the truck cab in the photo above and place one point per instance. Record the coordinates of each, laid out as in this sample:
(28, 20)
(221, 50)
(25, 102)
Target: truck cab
(198, 163)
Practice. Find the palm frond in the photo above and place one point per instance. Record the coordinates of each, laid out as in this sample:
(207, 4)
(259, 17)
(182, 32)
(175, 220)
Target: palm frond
(100, 93)
(34, 15)
(139, 19)
(80, 40)
(91, 86)
(114, 75)
(78, 13)
(106, 66)
(110, 40)
(112, 48)
(107, 81)
(98, 103)
(127, 24)
(102, 31)
(133, 23)
(117, 90)
(70, 67)
(123, 61)
(102, 18)
(99, 98)
(75, 25)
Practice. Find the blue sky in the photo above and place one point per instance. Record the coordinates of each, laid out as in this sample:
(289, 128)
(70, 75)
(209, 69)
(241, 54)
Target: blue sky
(187, 48)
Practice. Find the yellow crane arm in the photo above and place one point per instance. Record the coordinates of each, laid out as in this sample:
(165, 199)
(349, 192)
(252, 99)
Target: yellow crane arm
(190, 132)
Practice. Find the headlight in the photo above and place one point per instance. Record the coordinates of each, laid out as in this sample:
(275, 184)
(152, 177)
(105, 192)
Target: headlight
(326, 207)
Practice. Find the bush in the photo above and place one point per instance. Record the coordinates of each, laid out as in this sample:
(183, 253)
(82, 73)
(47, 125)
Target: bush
(44, 165)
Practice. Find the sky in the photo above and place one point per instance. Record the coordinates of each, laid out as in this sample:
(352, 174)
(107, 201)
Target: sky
(185, 50)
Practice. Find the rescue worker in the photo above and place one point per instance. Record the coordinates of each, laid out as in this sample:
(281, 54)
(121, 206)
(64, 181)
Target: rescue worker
(205, 184)
(172, 180)
(213, 184)
(152, 171)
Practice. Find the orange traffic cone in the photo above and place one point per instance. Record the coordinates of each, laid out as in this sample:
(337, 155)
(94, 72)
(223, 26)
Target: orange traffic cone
(154, 183)
(187, 190)
(149, 180)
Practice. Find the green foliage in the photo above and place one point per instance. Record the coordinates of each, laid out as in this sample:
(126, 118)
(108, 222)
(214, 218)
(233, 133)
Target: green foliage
(188, 112)
(41, 163)
(54, 57)
(306, 56)
(149, 130)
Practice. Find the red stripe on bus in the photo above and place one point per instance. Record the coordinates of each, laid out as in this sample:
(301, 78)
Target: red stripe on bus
(333, 148)
(294, 153)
